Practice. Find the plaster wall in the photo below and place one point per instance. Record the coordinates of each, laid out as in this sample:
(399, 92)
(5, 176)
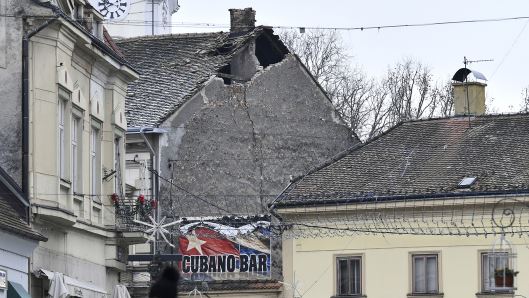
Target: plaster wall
(11, 34)
(14, 257)
(77, 254)
(79, 223)
(243, 294)
(476, 98)
(141, 11)
(387, 265)
(238, 144)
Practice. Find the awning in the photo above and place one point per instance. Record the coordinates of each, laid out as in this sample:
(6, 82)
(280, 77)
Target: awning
(16, 290)
(77, 288)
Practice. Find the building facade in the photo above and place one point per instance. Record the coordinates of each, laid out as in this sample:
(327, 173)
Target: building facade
(433, 208)
(224, 119)
(17, 239)
(70, 83)
(129, 18)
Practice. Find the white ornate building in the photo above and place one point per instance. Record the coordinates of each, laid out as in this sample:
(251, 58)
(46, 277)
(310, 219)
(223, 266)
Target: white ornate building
(129, 18)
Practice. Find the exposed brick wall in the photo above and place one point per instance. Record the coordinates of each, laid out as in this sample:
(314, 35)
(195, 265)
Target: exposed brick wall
(242, 20)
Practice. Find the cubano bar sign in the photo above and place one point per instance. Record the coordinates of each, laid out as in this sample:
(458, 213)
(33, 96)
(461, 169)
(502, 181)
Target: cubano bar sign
(212, 249)
(225, 263)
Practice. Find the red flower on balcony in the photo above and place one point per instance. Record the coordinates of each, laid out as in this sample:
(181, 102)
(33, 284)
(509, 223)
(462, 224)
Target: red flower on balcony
(115, 199)
(154, 204)
(141, 199)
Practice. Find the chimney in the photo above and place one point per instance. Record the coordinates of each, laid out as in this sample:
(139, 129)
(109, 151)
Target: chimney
(469, 98)
(242, 20)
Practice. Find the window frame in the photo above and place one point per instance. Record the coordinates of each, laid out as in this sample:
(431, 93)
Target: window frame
(425, 256)
(482, 288)
(76, 155)
(119, 161)
(63, 140)
(349, 257)
(95, 160)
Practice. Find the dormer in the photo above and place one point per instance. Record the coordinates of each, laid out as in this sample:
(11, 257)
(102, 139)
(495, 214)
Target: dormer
(73, 8)
(93, 21)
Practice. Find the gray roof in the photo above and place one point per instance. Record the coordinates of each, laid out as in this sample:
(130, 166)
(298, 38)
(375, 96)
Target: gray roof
(425, 158)
(10, 221)
(14, 209)
(175, 67)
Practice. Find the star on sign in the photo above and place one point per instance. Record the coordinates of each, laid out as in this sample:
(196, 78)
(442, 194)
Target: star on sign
(195, 243)
(158, 229)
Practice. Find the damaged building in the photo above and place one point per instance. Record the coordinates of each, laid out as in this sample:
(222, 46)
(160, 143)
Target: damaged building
(217, 125)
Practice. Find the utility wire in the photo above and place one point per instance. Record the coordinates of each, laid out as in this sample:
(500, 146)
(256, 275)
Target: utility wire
(357, 28)
(510, 49)
(153, 171)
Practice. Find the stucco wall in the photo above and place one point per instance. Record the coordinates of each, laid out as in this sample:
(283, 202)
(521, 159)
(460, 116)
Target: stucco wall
(387, 263)
(237, 145)
(11, 34)
(14, 257)
(78, 254)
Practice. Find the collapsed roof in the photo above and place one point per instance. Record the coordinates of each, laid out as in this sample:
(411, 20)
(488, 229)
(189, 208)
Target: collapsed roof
(175, 67)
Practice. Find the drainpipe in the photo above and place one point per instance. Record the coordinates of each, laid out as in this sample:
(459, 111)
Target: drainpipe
(25, 106)
(155, 166)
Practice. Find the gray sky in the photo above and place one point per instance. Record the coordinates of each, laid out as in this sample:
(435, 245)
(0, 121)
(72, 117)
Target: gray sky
(440, 47)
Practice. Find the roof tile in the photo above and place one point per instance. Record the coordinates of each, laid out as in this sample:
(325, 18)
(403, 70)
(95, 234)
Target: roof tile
(424, 157)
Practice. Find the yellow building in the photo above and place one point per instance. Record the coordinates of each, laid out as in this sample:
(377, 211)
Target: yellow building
(435, 208)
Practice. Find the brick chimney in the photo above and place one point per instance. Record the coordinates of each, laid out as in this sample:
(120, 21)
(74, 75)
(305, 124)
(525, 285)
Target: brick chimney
(242, 20)
(475, 104)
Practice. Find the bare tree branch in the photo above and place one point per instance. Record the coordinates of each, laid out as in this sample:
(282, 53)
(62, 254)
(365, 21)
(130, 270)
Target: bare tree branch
(406, 92)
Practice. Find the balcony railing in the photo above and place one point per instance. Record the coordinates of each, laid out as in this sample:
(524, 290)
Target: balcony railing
(129, 209)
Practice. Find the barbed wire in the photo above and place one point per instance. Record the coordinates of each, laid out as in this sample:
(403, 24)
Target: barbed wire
(456, 216)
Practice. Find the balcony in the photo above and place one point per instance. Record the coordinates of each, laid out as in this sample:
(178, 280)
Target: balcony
(127, 210)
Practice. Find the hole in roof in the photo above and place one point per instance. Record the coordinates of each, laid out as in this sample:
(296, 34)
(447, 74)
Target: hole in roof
(467, 182)
(266, 52)
(225, 48)
(225, 74)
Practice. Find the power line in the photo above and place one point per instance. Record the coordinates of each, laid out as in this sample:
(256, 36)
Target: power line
(510, 49)
(153, 171)
(357, 28)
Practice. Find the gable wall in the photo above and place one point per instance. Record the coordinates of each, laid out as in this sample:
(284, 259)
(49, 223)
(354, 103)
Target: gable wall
(229, 136)
(237, 145)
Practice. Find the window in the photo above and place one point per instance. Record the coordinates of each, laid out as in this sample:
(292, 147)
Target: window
(76, 153)
(489, 264)
(95, 160)
(425, 274)
(61, 127)
(117, 165)
(349, 276)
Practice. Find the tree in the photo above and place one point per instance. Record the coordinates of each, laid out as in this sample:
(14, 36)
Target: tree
(321, 51)
(525, 100)
(368, 106)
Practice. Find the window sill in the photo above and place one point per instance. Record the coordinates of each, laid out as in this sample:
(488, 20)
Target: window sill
(422, 295)
(97, 200)
(66, 183)
(349, 296)
(505, 294)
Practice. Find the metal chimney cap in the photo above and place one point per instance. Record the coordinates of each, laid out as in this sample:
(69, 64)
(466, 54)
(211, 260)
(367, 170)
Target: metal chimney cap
(462, 74)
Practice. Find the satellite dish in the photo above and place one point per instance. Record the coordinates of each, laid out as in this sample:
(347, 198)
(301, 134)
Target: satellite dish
(462, 74)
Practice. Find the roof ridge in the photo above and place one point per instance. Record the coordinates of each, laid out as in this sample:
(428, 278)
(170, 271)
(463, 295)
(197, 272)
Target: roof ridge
(170, 35)
(465, 117)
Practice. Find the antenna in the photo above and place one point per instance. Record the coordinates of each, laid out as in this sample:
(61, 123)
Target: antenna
(466, 61)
